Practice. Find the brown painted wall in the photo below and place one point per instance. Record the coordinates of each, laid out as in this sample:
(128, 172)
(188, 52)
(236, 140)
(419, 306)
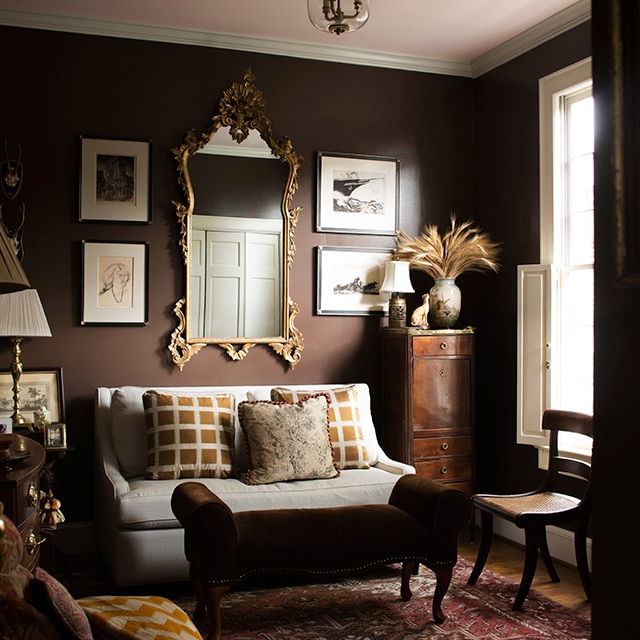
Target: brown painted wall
(63, 86)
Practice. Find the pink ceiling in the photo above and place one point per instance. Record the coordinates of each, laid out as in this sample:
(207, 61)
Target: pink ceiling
(457, 30)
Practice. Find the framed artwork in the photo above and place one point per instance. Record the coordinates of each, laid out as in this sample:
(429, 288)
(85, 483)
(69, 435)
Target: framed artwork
(115, 282)
(38, 387)
(349, 280)
(357, 194)
(115, 180)
(55, 436)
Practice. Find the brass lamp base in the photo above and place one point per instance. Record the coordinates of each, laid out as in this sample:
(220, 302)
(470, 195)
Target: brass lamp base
(397, 313)
(17, 419)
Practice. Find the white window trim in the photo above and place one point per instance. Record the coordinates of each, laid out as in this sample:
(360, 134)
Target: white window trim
(548, 88)
(537, 284)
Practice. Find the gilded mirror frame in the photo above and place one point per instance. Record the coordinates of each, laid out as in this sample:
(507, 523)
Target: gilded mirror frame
(241, 109)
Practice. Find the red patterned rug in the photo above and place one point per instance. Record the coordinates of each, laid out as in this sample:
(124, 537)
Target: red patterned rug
(370, 608)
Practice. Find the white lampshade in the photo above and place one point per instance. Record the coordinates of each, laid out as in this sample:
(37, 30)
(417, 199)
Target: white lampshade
(396, 277)
(12, 276)
(22, 315)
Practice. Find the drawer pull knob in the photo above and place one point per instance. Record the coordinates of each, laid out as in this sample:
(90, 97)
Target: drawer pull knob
(443, 346)
(443, 470)
(33, 542)
(32, 495)
(441, 373)
(444, 446)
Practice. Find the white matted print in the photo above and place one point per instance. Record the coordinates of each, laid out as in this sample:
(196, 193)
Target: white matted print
(38, 387)
(115, 282)
(115, 183)
(349, 281)
(357, 194)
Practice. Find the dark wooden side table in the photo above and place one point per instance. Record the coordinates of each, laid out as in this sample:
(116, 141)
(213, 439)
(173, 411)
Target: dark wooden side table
(20, 493)
(428, 402)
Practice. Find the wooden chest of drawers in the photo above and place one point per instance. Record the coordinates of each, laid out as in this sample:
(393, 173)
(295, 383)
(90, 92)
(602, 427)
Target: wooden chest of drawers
(428, 402)
(20, 494)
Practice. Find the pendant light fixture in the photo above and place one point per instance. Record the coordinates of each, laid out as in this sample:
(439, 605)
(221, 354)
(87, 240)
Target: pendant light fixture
(328, 15)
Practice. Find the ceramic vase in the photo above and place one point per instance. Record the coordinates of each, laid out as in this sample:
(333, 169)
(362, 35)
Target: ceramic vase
(444, 304)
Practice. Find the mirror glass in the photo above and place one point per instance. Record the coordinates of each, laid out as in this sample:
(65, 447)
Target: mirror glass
(237, 233)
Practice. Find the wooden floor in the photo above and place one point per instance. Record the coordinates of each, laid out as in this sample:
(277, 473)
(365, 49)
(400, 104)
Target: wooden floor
(507, 559)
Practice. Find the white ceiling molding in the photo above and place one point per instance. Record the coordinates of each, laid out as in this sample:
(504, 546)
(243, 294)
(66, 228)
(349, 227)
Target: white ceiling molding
(564, 20)
(568, 18)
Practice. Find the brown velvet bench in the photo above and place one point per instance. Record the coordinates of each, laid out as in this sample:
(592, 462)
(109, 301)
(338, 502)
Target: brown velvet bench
(420, 524)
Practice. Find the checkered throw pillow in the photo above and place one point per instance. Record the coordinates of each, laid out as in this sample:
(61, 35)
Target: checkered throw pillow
(189, 436)
(349, 448)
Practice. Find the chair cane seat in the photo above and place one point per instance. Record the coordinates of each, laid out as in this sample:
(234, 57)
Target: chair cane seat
(542, 503)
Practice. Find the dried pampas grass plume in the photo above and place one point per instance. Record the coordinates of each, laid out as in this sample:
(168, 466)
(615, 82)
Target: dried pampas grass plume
(463, 247)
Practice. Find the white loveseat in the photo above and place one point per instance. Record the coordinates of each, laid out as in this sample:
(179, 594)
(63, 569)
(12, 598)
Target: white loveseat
(139, 537)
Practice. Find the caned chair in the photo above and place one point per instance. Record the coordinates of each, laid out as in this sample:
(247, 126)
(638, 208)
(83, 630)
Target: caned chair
(535, 510)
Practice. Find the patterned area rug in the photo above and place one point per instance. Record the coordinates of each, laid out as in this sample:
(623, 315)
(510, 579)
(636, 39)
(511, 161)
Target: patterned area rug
(370, 608)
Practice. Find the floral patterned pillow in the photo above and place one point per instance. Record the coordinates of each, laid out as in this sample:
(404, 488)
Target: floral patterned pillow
(287, 441)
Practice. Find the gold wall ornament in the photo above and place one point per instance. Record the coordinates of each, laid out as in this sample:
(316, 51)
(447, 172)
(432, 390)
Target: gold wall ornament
(241, 114)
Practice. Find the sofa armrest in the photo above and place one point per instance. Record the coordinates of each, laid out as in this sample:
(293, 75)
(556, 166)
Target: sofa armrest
(210, 532)
(441, 509)
(108, 476)
(393, 466)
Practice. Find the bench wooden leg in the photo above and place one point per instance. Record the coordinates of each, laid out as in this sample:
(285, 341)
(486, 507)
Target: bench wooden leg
(213, 596)
(443, 580)
(408, 569)
(196, 583)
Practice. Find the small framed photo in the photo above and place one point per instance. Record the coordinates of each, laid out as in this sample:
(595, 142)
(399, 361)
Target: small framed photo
(357, 194)
(115, 279)
(6, 426)
(115, 180)
(349, 281)
(38, 388)
(55, 436)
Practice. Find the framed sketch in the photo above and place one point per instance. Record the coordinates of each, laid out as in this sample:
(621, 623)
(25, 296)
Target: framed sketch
(357, 194)
(115, 180)
(349, 280)
(55, 436)
(38, 388)
(115, 277)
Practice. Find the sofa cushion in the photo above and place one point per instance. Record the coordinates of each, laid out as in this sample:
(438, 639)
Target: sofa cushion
(349, 447)
(189, 436)
(287, 441)
(128, 431)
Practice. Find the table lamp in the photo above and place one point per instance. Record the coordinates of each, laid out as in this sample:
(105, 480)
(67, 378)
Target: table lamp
(21, 316)
(397, 281)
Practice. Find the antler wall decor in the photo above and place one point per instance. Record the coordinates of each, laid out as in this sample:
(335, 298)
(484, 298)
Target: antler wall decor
(11, 178)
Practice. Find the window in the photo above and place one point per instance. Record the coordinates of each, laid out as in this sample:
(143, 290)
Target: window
(555, 298)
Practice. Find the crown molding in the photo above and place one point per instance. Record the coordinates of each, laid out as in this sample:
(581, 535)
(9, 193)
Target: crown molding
(255, 44)
(572, 16)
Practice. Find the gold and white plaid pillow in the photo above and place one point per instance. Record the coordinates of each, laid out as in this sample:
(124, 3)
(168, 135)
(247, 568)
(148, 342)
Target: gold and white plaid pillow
(189, 436)
(349, 447)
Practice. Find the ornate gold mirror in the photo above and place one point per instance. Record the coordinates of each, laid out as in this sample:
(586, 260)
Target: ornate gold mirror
(236, 233)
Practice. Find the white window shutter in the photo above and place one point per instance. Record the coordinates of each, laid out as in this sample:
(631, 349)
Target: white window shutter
(535, 290)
